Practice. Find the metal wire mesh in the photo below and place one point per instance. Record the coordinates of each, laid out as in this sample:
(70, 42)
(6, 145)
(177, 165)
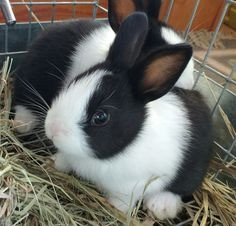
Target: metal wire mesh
(220, 88)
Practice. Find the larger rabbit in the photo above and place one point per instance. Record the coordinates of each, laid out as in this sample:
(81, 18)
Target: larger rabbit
(65, 50)
(122, 125)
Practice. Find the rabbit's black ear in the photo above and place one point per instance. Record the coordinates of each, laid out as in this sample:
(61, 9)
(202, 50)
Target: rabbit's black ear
(160, 70)
(129, 41)
(118, 10)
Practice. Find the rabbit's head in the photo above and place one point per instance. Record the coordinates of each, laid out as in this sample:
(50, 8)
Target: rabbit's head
(102, 110)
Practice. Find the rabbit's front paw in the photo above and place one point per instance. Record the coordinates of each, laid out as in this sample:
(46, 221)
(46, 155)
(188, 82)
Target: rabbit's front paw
(60, 162)
(24, 121)
(164, 205)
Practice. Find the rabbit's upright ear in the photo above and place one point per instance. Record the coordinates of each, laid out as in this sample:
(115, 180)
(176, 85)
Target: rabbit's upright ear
(154, 76)
(128, 42)
(118, 10)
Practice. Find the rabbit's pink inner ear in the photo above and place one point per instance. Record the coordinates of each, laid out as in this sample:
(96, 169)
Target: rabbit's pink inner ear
(120, 9)
(162, 71)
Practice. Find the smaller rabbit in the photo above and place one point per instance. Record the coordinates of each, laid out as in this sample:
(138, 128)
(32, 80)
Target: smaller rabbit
(123, 125)
(159, 33)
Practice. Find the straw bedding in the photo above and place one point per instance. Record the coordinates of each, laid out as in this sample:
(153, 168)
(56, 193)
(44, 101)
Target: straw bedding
(33, 193)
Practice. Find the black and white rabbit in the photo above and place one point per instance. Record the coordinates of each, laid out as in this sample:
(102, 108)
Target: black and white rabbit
(159, 33)
(60, 53)
(65, 50)
(122, 124)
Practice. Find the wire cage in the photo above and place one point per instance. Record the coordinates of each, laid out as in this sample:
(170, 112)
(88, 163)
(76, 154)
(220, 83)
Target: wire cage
(217, 84)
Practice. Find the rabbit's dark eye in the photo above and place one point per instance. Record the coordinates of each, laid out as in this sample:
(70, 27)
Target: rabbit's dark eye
(100, 118)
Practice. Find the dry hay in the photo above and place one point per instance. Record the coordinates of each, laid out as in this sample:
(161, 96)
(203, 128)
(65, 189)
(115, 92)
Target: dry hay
(33, 193)
(200, 39)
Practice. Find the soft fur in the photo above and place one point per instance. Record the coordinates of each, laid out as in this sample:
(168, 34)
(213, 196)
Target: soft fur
(154, 135)
(66, 50)
(58, 55)
(164, 143)
(159, 33)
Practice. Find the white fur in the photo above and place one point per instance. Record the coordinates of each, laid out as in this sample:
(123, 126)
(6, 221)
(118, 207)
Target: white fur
(94, 49)
(171, 36)
(186, 80)
(61, 163)
(154, 156)
(67, 112)
(164, 205)
(91, 51)
(25, 120)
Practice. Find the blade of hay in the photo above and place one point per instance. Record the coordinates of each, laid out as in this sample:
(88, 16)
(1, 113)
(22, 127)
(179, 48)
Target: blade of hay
(197, 215)
(5, 170)
(205, 206)
(228, 123)
(28, 207)
(20, 220)
(5, 73)
(226, 120)
(4, 208)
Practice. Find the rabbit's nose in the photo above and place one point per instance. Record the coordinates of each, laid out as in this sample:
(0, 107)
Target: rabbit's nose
(56, 129)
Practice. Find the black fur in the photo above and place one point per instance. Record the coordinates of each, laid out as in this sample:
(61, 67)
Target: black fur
(199, 151)
(49, 56)
(120, 95)
(198, 154)
(150, 7)
(129, 41)
(115, 96)
(153, 8)
(154, 37)
(127, 114)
